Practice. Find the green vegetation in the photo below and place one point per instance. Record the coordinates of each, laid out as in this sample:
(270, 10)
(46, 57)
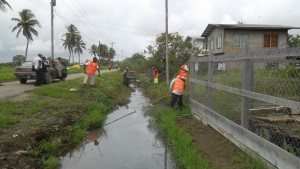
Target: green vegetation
(181, 143)
(6, 73)
(243, 161)
(67, 123)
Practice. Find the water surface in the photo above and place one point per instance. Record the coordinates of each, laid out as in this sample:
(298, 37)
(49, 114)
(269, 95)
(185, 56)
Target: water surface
(128, 143)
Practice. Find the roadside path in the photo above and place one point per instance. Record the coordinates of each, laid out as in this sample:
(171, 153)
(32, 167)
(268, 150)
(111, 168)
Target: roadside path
(12, 89)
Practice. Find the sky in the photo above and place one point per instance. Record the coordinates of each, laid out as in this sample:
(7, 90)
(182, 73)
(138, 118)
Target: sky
(129, 26)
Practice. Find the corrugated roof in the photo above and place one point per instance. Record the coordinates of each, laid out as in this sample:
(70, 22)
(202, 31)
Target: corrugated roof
(210, 27)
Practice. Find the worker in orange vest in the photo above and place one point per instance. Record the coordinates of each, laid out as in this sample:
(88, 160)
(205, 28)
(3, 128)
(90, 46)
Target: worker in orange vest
(183, 70)
(92, 67)
(155, 75)
(177, 87)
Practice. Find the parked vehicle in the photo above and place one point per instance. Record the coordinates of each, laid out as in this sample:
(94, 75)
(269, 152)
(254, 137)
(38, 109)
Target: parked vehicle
(24, 72)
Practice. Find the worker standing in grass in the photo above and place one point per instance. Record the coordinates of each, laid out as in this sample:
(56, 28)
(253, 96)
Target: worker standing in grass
(177, 87)
(92, 67)
(155, 75)
(58, 66)
(125, 77)
(183, 69)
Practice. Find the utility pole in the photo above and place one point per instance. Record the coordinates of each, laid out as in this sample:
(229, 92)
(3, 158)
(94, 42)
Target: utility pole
(167, 57)
(99, 50)
(122, 54)
(53, 3)
(112, 44)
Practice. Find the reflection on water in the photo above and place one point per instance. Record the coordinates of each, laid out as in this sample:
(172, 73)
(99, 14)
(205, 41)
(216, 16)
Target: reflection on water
(127, 141)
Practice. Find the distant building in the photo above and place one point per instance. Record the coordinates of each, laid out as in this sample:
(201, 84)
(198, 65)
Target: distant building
(231, 39)
(197, 41)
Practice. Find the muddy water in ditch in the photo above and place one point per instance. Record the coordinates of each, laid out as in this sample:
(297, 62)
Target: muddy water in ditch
(130, 142)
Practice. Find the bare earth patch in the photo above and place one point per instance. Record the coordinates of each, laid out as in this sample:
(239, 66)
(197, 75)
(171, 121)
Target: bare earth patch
(213, 145)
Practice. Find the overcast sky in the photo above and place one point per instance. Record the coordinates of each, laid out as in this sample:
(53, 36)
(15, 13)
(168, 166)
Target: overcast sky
(132, 25)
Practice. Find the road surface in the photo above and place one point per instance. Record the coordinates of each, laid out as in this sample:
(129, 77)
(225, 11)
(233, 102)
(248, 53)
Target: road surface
(10, 90)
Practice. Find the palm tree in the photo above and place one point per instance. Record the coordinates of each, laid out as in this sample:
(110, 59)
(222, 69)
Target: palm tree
(26, 25)
(3, 5)
(79, 45)
(70, 42)
(93, 50)
(68, 45)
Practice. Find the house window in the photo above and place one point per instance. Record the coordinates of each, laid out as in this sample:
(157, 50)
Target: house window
(270, 40)
(219, 41)
(240, 41)
(212, 44)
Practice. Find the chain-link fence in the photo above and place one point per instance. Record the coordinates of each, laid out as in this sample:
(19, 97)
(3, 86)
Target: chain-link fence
(257, 90)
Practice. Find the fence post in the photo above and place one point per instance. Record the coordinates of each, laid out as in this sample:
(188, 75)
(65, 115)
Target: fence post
(248, 71)
(210, 80)
(192, 75)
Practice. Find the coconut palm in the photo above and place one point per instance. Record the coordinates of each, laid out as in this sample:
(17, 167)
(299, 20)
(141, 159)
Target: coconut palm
(69, 41)
(26, 25)
(4, 5)
(93, 50)
(79, 45)
(68, 45)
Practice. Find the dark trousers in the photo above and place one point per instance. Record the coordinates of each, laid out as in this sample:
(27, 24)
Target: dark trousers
(177, 98)
(125, 81)
(39, 76)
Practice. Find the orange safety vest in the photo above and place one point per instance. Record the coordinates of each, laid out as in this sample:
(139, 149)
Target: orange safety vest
(155, 73)
(182, 72)
(179, 85)
(92, 67)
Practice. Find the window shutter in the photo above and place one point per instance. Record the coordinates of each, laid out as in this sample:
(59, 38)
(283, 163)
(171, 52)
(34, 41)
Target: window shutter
(266, 41)
(274, 41)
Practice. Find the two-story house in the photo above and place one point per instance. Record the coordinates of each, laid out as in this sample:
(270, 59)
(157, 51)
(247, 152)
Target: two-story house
(231, 39)
(197, 41)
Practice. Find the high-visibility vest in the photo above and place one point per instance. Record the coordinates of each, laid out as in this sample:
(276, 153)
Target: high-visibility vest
(155, 73)
(182, 72)
(92, 67)
(179, 85)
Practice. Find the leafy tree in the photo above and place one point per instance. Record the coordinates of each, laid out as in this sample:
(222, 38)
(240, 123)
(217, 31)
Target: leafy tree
(79, 45)
(112, 54)
(70, 39)
(4, 5)
(293, 41)
(178, 50)
(137, 62)
(26, 25)
(18, 59)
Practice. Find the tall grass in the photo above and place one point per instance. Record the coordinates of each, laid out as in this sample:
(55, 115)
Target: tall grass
(181, 143)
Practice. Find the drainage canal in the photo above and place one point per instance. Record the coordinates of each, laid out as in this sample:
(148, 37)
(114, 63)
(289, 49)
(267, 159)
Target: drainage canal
(127, 141)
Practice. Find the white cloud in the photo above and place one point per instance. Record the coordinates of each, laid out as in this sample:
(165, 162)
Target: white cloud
(132, 24)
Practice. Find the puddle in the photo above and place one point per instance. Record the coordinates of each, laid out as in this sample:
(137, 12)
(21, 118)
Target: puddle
(130, 142)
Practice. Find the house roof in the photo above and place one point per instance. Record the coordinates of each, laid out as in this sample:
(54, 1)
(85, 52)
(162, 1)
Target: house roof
(191, 37)
(210, 27)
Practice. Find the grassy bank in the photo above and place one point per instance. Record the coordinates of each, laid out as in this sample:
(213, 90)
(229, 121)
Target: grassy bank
(52, 119)
(184, 145)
